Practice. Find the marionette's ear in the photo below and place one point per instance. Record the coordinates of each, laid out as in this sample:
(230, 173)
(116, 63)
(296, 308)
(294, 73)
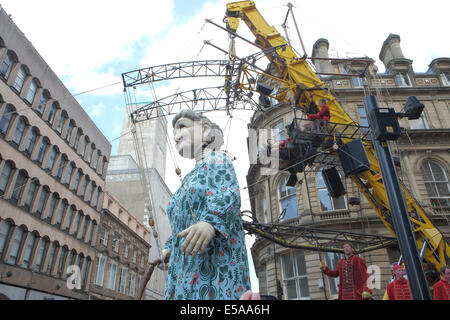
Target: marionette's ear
(207, 133)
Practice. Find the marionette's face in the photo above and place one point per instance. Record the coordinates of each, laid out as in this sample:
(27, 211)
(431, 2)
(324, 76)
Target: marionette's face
(348, 250)
(446, 275)
(189, 136)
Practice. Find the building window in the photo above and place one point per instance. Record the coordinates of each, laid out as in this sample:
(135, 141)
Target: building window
(18, 133)
(51, 159)
(69, 131)
(19, 186)
(69, 173)
(134, 255)
(40, 255)
(363, 118)
(420, 123)
(69, 216)
(112, 276)
(77, 139)
(90, 190)
(89, 151)
(115, 244)
(95, 196)
(31, 140)
(100, 271)
(51, 257)
(4, 176)
(122, 280)
(6, 66)
(20, 79)
(16, 244)
(132, 284)
(445, 76)
(125, 250)
(62, 259)
(52, 113)
(42, 149)
(6, 119)
(52, 206)
(91, 233)
(30, 195)
(62, 163)
(294, 275)
(31, 91)
(4, 233)
(42, 102)
(331, 260)
(76, 223)
(84, 185)
(29, 246)
(104, 237)
(288, 200)
(78, 174)
(60, 212)
(328, 203)
(358, 82)
(62, 120)
(436, 183)
(278, 132)
(42, 199)
(403, 79)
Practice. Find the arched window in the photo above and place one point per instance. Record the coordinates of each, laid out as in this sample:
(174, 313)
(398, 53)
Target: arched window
(84, 185)
(40, 254)
(6, 66)
(18, 132)
(62, 120)
(436, 182)
(43, 196)
(89, 192)
(77, 222)
(51, 158)
(51, 257)
(70, 127)
(91, 232)
(31, 91)
(69, 173)
(61, 165)
(77, 138)
(20, 79)
(60, 211)
(328, 203)
(62, 258)
(19, 186)
(89, 150)
(84, 141)
(95, 196)
(34, 185)
(5, 228)
(69, 216)
(52, 113)
(45, 96)
(288, 200)
(5, 176)
(29, 247)
(16, 245)
(42, 148)
(5, 120)
(52, 206)
(31, 140)
(78, 175)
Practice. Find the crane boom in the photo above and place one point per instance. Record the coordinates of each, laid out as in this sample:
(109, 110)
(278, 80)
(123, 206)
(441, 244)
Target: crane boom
(299, 79)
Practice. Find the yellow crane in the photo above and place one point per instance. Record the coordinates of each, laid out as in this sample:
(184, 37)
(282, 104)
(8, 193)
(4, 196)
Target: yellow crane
(297, 80)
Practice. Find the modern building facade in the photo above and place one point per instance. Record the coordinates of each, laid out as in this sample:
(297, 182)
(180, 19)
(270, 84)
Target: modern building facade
(123, 246)
(424, 157)
(53, 162)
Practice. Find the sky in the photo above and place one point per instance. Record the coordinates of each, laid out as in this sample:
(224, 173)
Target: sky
(89, 44)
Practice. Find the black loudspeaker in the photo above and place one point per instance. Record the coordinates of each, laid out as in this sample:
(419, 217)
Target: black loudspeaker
(353, 157)
(333, 182)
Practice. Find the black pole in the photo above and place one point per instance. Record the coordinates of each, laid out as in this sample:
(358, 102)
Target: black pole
(399, 212)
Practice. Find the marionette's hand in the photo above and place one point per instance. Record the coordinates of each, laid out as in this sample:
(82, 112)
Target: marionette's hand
(366, 294)
(197, 237)
(322, 265)
(165, 256)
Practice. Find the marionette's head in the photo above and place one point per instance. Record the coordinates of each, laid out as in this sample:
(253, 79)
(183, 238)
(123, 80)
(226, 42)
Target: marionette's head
(445, 273)
(348, 248)
(322, 102)
(193, 133)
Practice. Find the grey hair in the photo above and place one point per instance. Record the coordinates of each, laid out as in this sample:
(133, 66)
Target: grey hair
(216, 139)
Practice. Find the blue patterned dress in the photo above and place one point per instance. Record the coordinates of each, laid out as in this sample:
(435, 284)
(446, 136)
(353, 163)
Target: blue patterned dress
(211, 189)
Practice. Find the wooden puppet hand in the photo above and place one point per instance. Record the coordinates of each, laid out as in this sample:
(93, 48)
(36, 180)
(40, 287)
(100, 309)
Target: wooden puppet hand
(197, 237)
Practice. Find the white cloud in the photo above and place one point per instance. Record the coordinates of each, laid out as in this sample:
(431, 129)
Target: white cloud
(77, 38)
(97, 109)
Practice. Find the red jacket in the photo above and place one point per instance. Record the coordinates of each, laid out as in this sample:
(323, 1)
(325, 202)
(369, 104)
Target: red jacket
(353, 276)
(441, 290)
(399, 290)
(323, 114)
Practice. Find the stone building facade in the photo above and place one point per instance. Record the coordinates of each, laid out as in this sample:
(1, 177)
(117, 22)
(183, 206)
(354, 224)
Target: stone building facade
(424, 167)
(53, 162)
(123, 247)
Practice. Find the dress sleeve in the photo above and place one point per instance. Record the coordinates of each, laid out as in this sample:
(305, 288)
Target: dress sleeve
(223, 202)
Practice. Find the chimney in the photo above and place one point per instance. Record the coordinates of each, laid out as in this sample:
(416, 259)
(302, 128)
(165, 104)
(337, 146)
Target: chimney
(320, 50)
(391, 53)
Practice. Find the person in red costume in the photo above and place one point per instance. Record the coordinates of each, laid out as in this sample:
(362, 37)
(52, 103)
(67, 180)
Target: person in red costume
(442, 287)
(323, 114)
(352, 272)
(399, 288)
